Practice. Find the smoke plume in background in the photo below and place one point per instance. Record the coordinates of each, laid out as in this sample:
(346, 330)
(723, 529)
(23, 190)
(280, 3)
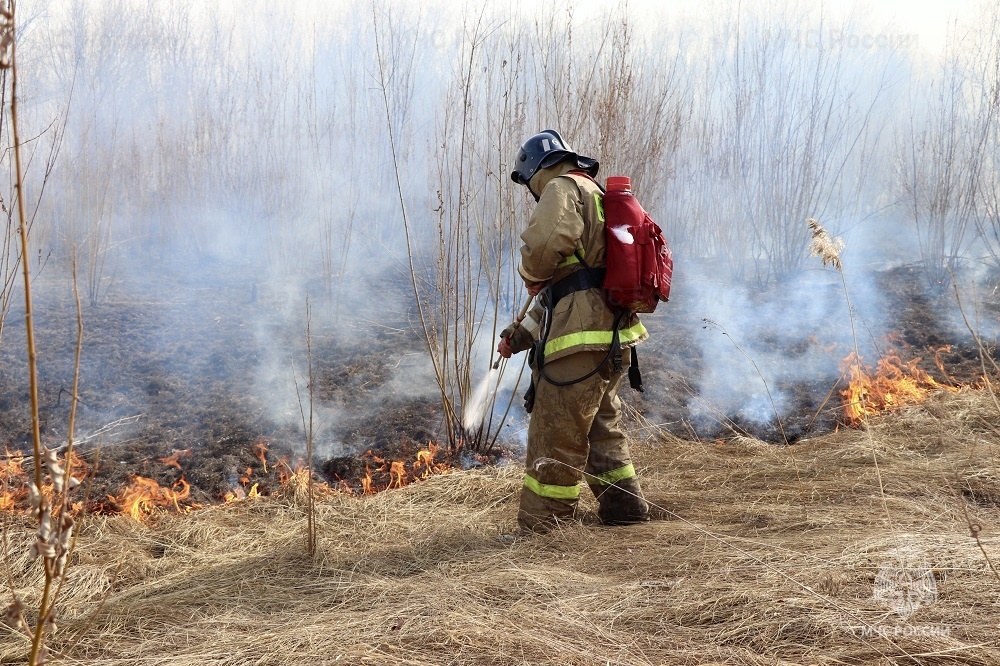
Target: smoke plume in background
(216, 160)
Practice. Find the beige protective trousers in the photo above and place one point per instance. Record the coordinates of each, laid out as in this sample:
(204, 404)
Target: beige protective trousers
(576, 428)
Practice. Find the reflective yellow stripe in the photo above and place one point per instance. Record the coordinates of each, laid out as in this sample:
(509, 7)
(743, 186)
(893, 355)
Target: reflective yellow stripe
(546, 490)
(629, 334)
(600, 206)
(573, 259)
(616, 475)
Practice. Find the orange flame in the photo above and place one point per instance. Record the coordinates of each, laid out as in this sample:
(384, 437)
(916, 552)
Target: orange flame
(297, 477)
(296, 482)
(173, 460)
(143, 496)
(425, 459)
(402, 473)
(939, 362)
(14, 481)
(894, 383)
(397, 474)
(260, 450)
(237, 494)
(13, 477)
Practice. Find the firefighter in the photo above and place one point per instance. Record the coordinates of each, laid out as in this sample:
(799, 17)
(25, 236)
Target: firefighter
(580, 347)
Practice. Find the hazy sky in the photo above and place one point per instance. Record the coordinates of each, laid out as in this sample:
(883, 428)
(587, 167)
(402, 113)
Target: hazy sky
(928, 19)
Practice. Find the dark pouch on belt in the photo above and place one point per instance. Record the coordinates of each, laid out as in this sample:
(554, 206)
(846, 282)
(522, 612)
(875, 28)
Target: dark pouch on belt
(529, 398)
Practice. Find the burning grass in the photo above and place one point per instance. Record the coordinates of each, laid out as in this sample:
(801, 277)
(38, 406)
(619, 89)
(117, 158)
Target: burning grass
(144, 499)
(893, 383)
(418, 576)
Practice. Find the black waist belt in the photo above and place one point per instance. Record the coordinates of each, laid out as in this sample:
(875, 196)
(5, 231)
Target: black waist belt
(577, 281)
(588, 278)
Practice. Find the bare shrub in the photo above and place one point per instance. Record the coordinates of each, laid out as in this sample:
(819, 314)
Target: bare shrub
(781, 131)
(946, 154)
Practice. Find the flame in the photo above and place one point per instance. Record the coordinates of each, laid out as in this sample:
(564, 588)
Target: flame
(939, 362)
(14, 481)
(173, 460)
(297, 477)
(425, 459)
(295, 482)
(894, 383)
(237, 494)
(260, 450)
(397, 474)
(401, 473)
(13, 478)
(143, 496)
(285, 470)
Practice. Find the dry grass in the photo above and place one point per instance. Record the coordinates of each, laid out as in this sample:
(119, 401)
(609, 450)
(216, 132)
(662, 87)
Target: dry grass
(418, 576)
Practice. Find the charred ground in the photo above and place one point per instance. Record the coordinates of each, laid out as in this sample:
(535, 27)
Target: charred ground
(200, 365)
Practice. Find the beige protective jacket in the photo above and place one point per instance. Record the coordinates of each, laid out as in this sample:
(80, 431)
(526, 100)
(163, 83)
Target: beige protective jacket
(569, 217)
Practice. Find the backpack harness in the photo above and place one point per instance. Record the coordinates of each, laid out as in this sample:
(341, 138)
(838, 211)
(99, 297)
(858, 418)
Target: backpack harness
(585, 278)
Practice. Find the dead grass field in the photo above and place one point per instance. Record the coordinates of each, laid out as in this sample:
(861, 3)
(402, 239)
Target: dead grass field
(749, 574)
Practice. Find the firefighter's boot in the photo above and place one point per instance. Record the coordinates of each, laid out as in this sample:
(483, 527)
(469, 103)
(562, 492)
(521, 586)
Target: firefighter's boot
(621, 503)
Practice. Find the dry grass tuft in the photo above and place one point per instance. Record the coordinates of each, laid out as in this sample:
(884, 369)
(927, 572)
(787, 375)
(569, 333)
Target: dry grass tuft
(418, 576)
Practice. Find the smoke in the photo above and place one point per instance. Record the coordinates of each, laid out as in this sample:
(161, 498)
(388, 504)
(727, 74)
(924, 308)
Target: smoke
(216, 167)
(755, 345)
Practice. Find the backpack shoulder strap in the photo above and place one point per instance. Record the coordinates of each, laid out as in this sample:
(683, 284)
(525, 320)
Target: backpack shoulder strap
(578, 176)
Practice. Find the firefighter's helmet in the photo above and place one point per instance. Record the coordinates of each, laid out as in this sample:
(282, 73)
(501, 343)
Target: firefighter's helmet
(542, 151)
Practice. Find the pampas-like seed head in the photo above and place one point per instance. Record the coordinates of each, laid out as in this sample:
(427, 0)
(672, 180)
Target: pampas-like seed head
(825, 246)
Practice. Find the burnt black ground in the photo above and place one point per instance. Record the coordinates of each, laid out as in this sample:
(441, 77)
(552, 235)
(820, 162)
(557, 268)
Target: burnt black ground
(183, 362)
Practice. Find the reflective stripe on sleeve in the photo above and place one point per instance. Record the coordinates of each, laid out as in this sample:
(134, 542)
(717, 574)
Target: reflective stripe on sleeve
(630, 334)
(554, 492)
(573, 259)
(616, 475)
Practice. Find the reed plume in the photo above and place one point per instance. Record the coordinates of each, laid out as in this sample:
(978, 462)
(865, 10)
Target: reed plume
(825, 246)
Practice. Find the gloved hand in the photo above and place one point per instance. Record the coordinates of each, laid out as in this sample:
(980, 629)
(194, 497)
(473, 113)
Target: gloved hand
(514, 339)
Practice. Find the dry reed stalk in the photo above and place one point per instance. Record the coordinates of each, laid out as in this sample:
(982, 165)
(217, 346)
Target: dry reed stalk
(825, 246)
(311, 503)
(828, 249)
(302, 490)
(439, 365)
(8, 60)
(49, 507)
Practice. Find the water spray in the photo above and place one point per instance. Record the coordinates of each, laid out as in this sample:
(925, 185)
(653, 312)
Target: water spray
(472, 415)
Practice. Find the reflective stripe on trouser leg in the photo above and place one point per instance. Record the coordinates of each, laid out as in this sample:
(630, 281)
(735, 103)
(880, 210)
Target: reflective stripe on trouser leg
(614, 476)
(558, 438)
(611, 475)
(551, 491)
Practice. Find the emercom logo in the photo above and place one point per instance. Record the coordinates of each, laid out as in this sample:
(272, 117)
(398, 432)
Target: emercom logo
(905, 582)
